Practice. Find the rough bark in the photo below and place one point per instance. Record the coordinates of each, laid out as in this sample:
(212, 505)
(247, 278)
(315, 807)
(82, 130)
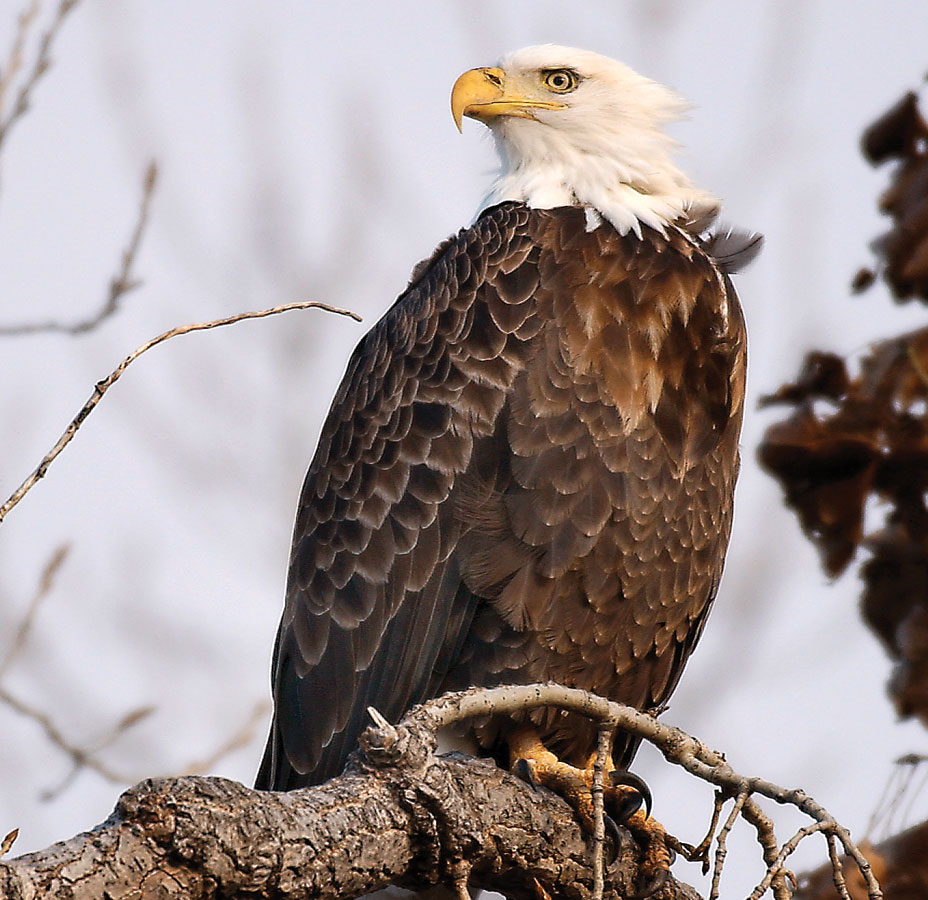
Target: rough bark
(419, 820)
(401, 815)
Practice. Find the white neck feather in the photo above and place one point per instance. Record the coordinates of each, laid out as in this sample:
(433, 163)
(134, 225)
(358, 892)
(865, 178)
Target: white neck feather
(628, 186)
(608, 153)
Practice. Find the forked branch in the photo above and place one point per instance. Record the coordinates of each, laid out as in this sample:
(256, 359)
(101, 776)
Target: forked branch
(101, 387)
(120, 284)
(678, 748)
(398, 815)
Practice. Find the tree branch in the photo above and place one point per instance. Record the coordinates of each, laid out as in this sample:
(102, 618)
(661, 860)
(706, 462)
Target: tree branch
(120, 284)
(46, 582)
(14, 60)
(677, 747)
(41, 66)
(196, 838)
(80, 757)
(103, 386)
(398, 815)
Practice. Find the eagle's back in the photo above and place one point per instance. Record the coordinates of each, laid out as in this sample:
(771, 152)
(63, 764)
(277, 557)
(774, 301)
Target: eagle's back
(526, 474)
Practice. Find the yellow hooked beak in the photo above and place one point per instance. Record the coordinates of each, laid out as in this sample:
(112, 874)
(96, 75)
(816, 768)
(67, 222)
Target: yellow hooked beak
(481, 93)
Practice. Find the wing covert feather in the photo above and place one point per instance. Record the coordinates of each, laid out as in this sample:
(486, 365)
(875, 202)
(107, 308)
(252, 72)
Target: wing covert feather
(525, 474)
(372, 598)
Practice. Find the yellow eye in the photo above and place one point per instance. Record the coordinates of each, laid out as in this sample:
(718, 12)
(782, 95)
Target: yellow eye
(561, 81)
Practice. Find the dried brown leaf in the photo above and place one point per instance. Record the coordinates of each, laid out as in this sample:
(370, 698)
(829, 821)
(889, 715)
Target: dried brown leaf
(901, 135)
(826, 468)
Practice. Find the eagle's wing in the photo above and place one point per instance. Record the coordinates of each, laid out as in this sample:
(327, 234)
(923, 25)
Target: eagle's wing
(374, 599)
(525, 474)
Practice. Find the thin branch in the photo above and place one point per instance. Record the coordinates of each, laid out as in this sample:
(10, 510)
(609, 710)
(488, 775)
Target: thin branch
(42, 64)
(87, 757)
(767, 838)
(14, 60)
(103, 386)
(603, 750)
(788, 848)
(46, 582)
(700, 853)
(913, 791)
(129, 720)
(676, 746)
(240, 738)
(899, 795)
(81, 758)
(721, 850)
(837, 872)
(120, 284)
(852, 850)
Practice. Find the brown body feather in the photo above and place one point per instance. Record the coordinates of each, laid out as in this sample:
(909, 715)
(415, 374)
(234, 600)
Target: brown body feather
(526, 475)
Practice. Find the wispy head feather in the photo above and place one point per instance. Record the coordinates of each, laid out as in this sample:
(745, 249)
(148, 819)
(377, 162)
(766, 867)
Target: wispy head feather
(603, 148)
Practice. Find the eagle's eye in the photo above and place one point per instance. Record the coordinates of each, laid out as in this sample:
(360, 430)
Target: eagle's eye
(561, 81)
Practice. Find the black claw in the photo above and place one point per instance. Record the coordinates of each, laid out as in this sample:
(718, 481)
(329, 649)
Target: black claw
(613, 830)
(523, 770)
(625, 808)
(653, 885)
(630, 779)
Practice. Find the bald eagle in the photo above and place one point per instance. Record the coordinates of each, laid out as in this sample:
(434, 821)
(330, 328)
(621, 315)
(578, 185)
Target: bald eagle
(527, 471)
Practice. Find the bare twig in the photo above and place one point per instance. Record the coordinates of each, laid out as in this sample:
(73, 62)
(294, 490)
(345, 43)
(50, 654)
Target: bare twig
(767, 838)
(81, 758)
(129, 720)
(700, 852)
(603, 750)
(87, 757)
(120, 284)
(103, 386)
(239, 739)
(14, 59)
(678, 748)
(899, 795)
(46, 581)
(837, 872)
(914, 789)
(41, 66)
(721, 850)
(786, 850)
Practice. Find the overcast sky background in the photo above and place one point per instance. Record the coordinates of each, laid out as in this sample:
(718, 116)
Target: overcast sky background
(306, 151)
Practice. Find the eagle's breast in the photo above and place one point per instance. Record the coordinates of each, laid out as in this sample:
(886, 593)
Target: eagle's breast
(602, 537)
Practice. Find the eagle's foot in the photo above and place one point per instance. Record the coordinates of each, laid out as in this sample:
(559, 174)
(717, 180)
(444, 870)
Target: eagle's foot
(623, 792)
(656, 855)
(626, 800)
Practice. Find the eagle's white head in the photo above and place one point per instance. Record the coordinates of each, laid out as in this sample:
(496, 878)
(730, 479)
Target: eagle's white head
(577, 129)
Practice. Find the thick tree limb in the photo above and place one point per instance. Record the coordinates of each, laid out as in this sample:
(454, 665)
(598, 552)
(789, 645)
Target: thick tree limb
(207, 837)
(399, 815)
